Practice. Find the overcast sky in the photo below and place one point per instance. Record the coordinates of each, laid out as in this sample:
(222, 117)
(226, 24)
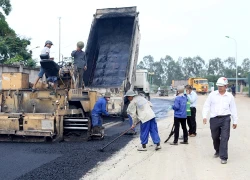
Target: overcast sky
(179, 28)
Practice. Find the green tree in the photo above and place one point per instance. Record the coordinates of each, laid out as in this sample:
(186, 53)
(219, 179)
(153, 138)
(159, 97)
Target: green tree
(158, 71)
(245, 67)
(215, 67)
(12, 47)
(146, 63)
(192, 67)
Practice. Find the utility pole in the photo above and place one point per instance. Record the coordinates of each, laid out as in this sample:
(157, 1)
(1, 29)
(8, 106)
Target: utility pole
(236, 85)
(59, 39)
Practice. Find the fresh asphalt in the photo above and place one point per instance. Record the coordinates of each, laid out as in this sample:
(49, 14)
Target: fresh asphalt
(65, 160)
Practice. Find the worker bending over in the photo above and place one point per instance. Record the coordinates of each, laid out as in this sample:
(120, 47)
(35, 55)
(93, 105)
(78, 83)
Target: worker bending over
(100, 109)
(140, 110)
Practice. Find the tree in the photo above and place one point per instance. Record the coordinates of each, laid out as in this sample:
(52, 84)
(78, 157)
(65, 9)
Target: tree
(158, 71)
(146, 63)
(245, 67)
(6, 7)
(215, 67)
(192, 67)
(12, 47)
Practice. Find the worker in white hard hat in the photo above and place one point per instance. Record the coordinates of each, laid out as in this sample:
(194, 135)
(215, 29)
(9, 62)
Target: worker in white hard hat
(221, 106)
(140, 110)
(45, 55)
(80, 62)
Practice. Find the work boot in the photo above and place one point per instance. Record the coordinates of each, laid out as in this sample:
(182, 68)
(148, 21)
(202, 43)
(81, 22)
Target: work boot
(216, 154)
(174, 143)
(185, 142)
(142, 148)
(223, 161)
(158, 146)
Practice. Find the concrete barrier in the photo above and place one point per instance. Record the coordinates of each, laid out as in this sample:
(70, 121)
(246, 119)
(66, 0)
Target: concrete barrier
(33, 72)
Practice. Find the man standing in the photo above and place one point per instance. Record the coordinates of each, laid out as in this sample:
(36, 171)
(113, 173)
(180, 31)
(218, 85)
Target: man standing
(233, 90)
(191, 120)
(221, 105)
(140, 110)
(45, 54)
(80, 62)
(100, 109)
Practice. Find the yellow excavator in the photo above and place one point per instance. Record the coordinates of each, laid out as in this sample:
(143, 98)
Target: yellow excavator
(45, 114)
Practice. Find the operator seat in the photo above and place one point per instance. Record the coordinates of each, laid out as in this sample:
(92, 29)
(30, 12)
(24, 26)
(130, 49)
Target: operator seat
(50, 67)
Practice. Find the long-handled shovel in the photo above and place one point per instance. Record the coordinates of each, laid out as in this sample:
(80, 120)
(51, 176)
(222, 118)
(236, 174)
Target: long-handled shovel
(102, 149)
(171, 134)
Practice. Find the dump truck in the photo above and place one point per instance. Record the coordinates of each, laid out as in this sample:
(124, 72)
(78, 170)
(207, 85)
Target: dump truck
(199, 84)
(112, 52)
(141, 84)
(45, 114)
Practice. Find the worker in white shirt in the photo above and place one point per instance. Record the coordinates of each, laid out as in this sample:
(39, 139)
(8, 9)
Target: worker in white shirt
(221, 105)
(191, 120)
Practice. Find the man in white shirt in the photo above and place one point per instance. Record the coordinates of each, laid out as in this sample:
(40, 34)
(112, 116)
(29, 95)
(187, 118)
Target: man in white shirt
(221, 105)
(191, 120)
(46, 54)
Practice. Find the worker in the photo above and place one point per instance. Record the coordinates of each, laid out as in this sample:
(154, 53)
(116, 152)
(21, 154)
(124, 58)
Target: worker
(180, 116)
(221, 106)
(191, 120)
(80, 62)
(233, 90)
(140, 110)
(100, 109)
(46, 54)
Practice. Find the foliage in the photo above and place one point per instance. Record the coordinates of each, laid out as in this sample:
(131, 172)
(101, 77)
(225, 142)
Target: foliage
(13, 48)
(167, 69)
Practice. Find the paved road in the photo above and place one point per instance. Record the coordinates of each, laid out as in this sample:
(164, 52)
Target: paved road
(183, 162)
(66, 160)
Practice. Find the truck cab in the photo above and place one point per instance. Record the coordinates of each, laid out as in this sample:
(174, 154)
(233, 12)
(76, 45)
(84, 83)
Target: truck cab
(200, 84)
(141, 85)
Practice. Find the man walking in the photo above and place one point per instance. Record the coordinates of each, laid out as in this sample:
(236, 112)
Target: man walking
(221, 105)
(140, 110)
(80, 62)
(191, 120)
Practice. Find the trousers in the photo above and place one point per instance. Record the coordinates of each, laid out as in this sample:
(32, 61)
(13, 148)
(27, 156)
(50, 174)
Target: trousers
(220, 130)
(177, 122)
(191, 121)
(96, 120)
(149, 127)
(79, 72)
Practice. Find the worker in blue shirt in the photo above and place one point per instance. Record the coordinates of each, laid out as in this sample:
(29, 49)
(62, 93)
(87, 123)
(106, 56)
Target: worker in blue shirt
(100, 109)
(180, 116)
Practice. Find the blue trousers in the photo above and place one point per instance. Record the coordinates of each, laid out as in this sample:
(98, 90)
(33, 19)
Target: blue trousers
(96, 120)
(149, 127)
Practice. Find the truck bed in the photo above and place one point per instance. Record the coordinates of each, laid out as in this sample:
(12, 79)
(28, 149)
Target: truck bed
(109, 47)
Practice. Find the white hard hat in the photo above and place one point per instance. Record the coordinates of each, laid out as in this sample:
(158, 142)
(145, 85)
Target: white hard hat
(222, 81)
(130, 93)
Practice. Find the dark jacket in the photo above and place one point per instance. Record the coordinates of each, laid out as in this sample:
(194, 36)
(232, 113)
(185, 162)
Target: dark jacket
(79, 58)
(100, 107)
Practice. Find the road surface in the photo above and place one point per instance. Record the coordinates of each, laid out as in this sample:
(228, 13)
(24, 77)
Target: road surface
(194, 161)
